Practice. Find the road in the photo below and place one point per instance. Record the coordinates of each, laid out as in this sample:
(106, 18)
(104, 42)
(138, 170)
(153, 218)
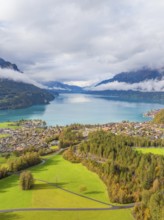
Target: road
(61, 209)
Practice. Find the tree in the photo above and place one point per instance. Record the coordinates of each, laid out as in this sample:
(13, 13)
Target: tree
(156, 203)
(26, 180)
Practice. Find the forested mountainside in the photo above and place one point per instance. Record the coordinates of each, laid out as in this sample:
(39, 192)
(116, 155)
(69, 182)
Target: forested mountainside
(18, 94)
(136, 76)
(15, 95)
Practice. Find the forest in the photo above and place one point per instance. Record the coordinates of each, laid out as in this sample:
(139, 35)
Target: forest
(20, 160)
(131, 177)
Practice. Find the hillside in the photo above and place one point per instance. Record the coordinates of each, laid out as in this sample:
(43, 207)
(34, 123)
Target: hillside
(159, 117)
(17, 94)
(146, 85)
(7, 65)
(135, 76)
(62, 87)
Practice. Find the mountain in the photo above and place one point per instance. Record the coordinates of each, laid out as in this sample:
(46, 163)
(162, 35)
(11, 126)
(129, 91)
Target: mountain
(14, 94)
(62, 87)
(144, 85)
(7, 65)
(138, 76)
(130, 96)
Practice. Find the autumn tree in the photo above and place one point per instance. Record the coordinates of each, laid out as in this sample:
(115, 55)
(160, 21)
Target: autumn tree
(26, 180)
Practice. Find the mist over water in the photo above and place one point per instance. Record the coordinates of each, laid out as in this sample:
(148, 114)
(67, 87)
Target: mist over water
(81, 108)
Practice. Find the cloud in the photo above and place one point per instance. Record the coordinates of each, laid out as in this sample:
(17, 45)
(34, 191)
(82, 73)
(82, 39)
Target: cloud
(145, 86)
(18, 77)
(75, 40)
(82, 83)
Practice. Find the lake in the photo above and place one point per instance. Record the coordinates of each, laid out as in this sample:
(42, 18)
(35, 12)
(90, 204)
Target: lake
(81, 108)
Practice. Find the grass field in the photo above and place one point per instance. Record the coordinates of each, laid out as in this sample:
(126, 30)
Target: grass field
(69, 176)
(72, 177)
(2, 160)
(4, 135)
(65, 174)
(8, 125)
(153, 150)
(84, 215)
(54, 147)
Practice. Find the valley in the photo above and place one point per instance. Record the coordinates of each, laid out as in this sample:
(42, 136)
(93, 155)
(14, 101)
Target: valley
(74, 174)
(45, 195)
(81, 110)
(18, 91)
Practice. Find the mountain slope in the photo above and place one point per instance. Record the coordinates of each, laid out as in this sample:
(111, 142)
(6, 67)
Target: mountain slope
(17, 94)
(20, 95)
(135, 76)
(62, 87)
(145, 85)
(7, 65)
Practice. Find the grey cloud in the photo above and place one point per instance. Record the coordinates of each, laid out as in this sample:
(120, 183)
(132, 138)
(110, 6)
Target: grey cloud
(146, 86)
(18, 77)
(74, 40)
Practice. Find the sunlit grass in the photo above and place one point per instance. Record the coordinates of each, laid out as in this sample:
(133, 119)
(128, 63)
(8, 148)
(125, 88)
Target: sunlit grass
(153, 150)
(123, 214)
(10, 125)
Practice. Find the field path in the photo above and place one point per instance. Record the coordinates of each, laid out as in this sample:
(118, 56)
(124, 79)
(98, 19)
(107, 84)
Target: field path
(108, 208)
(111, 206)
(65, 209)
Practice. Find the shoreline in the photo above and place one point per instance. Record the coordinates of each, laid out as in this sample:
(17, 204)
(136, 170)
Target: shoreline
(152, 113)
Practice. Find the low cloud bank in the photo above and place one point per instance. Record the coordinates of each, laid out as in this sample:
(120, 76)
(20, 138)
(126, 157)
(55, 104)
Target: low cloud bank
(145, 86)
(18, 77)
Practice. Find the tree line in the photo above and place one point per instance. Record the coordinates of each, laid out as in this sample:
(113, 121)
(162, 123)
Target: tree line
(130, 176)
(19, 163)
(70, 136)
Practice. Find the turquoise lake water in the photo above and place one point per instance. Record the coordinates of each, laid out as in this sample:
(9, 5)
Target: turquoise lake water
(81, 108)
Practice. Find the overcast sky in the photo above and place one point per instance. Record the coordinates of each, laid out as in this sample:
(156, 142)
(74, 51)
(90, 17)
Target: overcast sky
(81, 40)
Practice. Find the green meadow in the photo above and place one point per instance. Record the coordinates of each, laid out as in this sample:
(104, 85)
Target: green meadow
(66, 175)
(122, 214)
(63, 173)
(153, 150)
(8, 125)
(4, 135)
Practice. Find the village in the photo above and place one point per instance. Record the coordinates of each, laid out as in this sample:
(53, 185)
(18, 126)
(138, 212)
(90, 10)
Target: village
(35, 133)
(144, 129)
(31, 133)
